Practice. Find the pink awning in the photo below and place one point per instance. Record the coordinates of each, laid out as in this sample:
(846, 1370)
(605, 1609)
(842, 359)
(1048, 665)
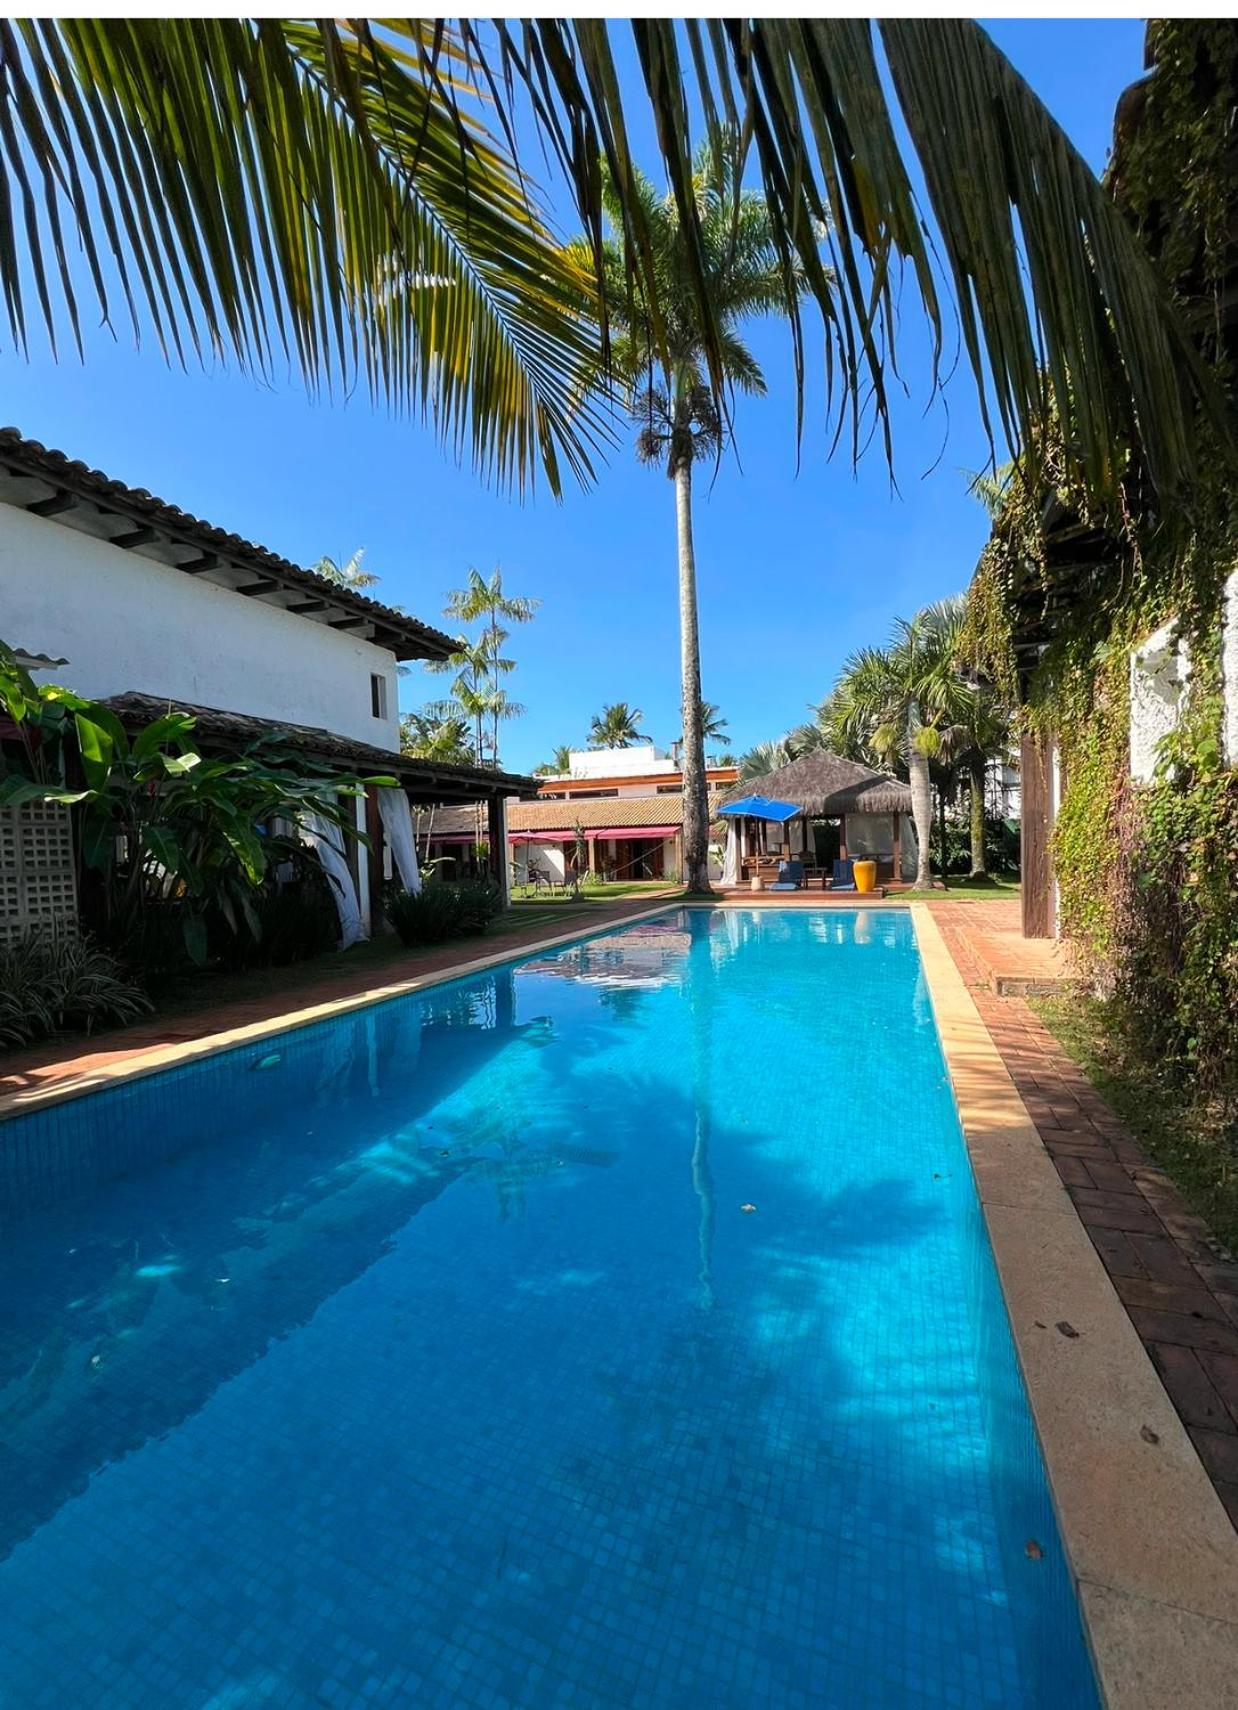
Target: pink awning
(542, 836)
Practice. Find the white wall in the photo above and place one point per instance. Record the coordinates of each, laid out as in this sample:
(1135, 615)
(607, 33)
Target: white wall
(1229, 662)
(631, 762)
(1159, 669)
(124, 622)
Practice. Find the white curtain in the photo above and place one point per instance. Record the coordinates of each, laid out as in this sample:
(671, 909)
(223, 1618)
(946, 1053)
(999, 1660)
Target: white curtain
(326, 839)
(397, 818)
(730, 859)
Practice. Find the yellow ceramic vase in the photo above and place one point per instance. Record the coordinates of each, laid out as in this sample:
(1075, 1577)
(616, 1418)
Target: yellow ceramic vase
(865, 875)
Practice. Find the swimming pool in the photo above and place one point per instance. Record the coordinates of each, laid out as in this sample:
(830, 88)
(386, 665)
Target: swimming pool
(614, 1328)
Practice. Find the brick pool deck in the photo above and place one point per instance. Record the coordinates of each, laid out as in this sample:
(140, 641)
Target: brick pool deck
(1178, 1285)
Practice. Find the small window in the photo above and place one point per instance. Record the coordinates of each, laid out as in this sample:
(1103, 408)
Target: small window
(378, 694)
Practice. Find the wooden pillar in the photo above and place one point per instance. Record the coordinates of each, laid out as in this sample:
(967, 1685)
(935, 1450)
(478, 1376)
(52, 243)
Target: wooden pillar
(1035, 767)
(842, 837)
(898, 847)
(591, 844)
(374, 855)
(496, 836)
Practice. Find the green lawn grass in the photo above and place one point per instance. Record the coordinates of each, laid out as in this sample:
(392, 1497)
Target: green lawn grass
(1194, 1143)
(591, 893)
(970, 890)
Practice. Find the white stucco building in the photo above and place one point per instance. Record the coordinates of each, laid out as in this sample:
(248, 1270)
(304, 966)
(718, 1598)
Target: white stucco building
(130, 601)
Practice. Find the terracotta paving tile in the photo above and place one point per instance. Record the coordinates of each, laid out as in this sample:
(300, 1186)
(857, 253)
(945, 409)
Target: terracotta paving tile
(1119, 1256)
(1190, 1388)
(1128, 1211)
(1168, 1297)
(1073, 1171)
(1185, 1330)
(1222, 1371)
(1218, 1450)
(1179, 1286)
(1164, 1259)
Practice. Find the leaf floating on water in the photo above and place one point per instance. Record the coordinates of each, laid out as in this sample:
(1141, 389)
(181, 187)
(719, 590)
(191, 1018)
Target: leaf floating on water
(747, 1208)
(1148, 1434)
(1033, 1550)
(1067, 1329)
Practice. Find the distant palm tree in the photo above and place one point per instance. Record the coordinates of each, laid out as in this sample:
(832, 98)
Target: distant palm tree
(483, 599)
(438, 733)
(905, 703)
(346, 575)
(713, 725)
(662, 357)
(559, 764)
(615, 726)
(765, 757)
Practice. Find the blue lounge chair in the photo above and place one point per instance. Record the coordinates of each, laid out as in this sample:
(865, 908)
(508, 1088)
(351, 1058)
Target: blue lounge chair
(790, 876)
(844, 875)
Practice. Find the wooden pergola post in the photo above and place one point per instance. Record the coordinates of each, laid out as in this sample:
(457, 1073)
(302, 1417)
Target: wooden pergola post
(898, 846)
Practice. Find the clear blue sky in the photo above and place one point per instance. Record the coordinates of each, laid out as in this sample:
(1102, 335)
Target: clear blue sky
(795, 569)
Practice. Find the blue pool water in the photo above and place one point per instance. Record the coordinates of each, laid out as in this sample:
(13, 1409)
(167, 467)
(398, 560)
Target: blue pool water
(428, 1357)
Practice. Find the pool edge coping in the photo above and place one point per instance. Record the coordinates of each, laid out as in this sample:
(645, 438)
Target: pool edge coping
(1151, 1550)
(160, 1058)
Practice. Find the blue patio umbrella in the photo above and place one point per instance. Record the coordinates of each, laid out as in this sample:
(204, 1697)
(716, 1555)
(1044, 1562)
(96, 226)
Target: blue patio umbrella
(761, 807)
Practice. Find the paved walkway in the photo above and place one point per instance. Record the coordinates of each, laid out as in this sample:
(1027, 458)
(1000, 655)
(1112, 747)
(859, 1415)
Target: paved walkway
(1178, 1284)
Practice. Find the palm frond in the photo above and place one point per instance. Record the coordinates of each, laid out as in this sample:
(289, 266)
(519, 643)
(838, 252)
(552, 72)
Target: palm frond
(318, 191)
(1057, 304)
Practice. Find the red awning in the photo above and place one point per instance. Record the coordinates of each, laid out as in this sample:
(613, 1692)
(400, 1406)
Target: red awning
(542, 836)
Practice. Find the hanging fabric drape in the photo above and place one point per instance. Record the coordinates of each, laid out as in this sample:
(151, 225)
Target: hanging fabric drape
(326, 839)
(397, 818)
(730, 859)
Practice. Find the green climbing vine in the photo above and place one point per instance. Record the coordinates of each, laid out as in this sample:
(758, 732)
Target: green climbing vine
(1147, 873)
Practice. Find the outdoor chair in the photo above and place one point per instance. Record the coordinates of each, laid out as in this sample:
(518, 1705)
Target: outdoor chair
(790, 876)
(844, 876)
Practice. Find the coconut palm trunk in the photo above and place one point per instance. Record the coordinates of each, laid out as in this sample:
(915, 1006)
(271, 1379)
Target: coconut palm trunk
(695, 796)
(921, 813)
(975, 786)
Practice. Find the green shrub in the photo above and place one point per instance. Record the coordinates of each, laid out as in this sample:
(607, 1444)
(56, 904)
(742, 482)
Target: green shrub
(444, 909)
(294, 921)
(53, 982)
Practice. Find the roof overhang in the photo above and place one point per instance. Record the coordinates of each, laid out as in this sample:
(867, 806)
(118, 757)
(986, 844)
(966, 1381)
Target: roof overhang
(48, 484)
(424, 781)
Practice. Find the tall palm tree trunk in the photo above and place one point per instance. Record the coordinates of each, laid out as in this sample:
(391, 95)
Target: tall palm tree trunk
(922, 814)
(975, 790)
(695, 794)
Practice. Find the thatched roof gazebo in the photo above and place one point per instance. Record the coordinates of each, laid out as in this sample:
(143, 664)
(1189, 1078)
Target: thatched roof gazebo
(870, 808)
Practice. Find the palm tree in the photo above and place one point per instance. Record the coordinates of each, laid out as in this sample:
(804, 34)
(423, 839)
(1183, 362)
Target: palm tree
(988, 728)
(346, 575)
(713, 725)
(615, 726)
(483, 598)
(904, 703)
(437, 732)
(661, 357)
(559, 764)
(765, 757)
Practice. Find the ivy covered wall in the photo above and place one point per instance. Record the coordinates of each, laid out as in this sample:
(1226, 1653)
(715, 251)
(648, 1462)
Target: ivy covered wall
(1148, 872)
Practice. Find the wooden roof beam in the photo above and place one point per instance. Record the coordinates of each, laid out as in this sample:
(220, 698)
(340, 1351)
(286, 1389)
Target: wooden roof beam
(133, 537)
(54, 504)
